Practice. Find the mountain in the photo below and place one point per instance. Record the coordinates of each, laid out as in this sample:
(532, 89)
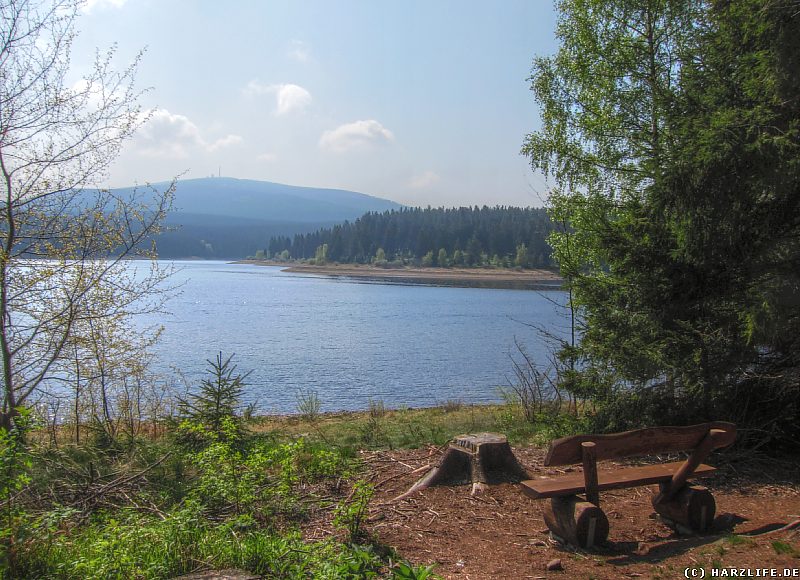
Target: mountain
(276, 202)
(227, 218)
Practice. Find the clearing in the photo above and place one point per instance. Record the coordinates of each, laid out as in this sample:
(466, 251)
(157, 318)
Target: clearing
(501, 533)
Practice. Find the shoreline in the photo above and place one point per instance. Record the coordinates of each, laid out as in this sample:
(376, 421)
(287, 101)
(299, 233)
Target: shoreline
(458, 277)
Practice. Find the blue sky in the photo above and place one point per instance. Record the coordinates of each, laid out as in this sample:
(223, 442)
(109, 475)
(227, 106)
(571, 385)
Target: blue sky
(421, 102)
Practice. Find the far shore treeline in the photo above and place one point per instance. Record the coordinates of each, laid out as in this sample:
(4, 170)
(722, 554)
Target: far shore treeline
(465, 236)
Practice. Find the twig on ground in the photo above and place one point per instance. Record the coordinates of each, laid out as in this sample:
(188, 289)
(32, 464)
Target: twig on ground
(120, 481)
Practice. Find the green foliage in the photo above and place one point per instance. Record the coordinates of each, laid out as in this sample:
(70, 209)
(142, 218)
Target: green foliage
(239, 492)
(211, 412)
(15, 464)
(130, 545)
(232, 502)
(441, 258)
(404, 427)
(321, 255)
(361, 562)
(414, 235)
(672, 132)
(260, 478)
(521, 259)
(407, 571)
(785, 548)
(350, 514)
(227, 479)
(373, 433)
(308, 404)
(14, 459)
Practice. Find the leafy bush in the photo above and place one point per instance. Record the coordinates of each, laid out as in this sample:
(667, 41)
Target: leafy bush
(131, 545)
(407, 571)
(261, 477)
(15, 463)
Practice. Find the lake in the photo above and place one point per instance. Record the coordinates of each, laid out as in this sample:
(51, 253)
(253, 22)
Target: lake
(348, 340)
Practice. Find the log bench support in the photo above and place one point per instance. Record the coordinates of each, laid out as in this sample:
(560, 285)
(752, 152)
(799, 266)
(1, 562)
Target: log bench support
(575, 521)
(693, 507)
(581, 522)
(688, 505)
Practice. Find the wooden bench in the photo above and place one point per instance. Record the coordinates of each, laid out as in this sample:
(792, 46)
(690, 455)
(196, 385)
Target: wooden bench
(581, 522)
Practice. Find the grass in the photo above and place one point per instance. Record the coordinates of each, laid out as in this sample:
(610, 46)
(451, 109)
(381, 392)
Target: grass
(130, 545)
(407, 427)
(308, 405)
(230, 500)
(785, 548)
(227, 498)
(737, 540)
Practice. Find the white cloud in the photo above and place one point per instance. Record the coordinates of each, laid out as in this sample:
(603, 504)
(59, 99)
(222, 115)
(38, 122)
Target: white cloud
(291, 98)
(424, 180)
(268, 157)
(175, 136)
(256, 88)
(355, 135)
(299, 51)
(288, 97)
(90, 5)
(224, 142)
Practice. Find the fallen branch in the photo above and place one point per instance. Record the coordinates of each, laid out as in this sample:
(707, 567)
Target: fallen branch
(398, 475)
(790, 526)
(120, 481)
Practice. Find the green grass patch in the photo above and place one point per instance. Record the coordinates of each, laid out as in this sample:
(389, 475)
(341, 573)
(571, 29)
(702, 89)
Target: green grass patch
(231, 495)
(737, 540)
(785, 548)
(128, 544)
(413, 428)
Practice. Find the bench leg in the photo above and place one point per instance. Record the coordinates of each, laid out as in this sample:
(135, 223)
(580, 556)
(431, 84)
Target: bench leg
(576, 521)
(693, 507)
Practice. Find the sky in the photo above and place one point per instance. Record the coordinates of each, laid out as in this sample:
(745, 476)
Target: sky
(422, 102)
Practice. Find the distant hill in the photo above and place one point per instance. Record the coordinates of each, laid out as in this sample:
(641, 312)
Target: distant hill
(227, 218)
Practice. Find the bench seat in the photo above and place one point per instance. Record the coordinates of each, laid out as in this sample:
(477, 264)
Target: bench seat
(608, 479)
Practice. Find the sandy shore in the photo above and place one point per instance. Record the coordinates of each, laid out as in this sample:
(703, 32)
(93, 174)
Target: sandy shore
(463, 277)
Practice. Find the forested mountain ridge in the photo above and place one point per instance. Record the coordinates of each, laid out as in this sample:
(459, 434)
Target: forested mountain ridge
(228, 218)
(469, 236)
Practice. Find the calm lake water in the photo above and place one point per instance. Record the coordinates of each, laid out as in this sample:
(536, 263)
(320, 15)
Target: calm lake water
(350, 341)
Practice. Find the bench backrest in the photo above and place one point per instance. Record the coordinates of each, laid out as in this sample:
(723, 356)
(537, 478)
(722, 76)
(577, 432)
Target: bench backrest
(650, 441)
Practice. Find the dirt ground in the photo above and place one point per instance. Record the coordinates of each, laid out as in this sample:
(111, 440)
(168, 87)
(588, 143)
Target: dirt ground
(359, 270)
(501, 533)
(467, 277)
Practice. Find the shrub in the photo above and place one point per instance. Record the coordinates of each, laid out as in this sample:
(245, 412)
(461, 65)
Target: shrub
(309, 405)
(349, 515)
(216, 400)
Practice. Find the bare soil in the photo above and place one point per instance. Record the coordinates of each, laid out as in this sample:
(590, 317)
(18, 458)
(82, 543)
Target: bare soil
(481, 277)
(501, 533)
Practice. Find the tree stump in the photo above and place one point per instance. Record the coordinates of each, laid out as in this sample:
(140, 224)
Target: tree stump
(693, 507)
(479, 459)
(576, 521)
